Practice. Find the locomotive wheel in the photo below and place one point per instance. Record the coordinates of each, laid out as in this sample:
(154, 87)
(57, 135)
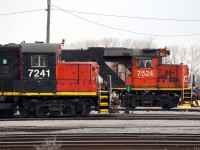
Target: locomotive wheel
(7, 113)
(87, 110)
(68, 111)
(43, 112)
(22, 110)
(78, 109)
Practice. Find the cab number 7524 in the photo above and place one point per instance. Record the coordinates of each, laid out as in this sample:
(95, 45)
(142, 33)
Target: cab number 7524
(145, 73)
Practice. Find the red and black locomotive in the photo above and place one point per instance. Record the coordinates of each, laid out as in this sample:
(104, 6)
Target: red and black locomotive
(139, 76)
(46, 80)
(35, 81)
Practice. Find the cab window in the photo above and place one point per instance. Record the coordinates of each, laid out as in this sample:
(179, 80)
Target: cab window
(145, 63)
(38, 61)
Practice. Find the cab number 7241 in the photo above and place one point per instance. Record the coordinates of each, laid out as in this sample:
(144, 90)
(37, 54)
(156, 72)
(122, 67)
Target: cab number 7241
(36, 73)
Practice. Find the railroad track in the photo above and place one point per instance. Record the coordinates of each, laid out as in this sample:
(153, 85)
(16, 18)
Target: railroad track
(113, 117)
(193, 109)
(100, 141)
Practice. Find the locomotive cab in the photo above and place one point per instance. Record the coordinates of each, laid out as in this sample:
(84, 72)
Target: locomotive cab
(38, 67)
(148, 71)
(145, 68)
(155, 83)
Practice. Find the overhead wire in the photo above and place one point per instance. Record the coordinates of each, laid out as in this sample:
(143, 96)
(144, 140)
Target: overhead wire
(134, 17)
(21, 12)
(115, 28)
(110, 15)
(71, 12)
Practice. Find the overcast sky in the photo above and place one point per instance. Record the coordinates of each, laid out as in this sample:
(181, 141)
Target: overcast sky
(31, 26)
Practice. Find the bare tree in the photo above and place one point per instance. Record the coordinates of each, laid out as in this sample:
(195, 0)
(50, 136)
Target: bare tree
(114, 42)
(147, 42)
(183, 55)
(90, 43)
(174, 54)
(194, 61)
(127, 43)
(109, 42)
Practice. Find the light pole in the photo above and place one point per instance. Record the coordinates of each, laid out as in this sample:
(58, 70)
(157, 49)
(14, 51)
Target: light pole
(48, 20)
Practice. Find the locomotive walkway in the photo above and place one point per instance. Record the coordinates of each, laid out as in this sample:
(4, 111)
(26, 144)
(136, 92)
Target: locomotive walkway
(107, 141)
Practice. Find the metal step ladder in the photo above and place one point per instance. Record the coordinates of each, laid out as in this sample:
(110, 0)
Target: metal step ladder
(186, 103)
(104, 104)
(105, 98)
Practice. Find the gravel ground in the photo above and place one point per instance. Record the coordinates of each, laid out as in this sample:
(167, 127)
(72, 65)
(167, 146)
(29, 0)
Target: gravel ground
(107, 126)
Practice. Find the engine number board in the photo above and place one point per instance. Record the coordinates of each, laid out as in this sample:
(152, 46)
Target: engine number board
(36, 73)
(145, 73)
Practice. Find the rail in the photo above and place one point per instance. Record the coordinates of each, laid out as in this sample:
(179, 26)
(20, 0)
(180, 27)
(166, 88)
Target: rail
(100, 141)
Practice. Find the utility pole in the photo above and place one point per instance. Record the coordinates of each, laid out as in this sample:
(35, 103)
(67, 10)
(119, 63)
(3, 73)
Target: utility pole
(48, 20)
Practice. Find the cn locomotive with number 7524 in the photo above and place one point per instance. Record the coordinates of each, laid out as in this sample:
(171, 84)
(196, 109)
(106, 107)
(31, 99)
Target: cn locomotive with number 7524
(46, 80)
(140, 77)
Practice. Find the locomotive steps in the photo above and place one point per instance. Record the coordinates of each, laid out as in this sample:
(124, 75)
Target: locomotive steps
(104, 102)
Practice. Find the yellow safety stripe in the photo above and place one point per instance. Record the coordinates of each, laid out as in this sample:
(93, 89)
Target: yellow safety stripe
(184, 107)
(77, 93)
(103, 96)
(104, 104)
(49, 94)
(104, 110)
(153, 89)
(37, 94)
(104, 91)
(84, 93)
(10, 93)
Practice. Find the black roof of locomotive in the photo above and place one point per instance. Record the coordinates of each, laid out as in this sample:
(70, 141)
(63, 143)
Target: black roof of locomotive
(11, 45)
(39, 47)
(119, 52)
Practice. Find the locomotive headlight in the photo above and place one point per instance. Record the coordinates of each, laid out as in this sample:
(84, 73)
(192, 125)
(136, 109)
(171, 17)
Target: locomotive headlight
(4, 61)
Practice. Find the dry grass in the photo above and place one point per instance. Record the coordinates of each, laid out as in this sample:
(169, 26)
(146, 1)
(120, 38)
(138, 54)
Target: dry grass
(49, 144)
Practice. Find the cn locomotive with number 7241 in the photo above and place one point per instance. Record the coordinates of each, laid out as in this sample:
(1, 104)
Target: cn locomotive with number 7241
(36, 82)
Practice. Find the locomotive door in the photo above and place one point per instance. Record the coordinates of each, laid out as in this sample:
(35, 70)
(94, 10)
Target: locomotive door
(9, 67)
